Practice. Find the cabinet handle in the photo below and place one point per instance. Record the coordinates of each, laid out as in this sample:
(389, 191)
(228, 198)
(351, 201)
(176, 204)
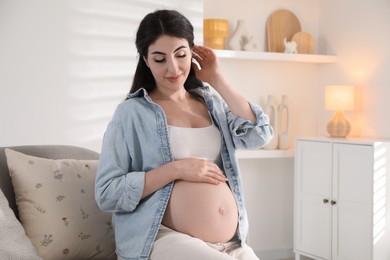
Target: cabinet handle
(325, 201)
(333, 202)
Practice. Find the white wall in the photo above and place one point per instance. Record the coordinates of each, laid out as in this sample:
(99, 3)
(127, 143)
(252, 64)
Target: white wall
(357, 32)
(269, 197)
(65, 65)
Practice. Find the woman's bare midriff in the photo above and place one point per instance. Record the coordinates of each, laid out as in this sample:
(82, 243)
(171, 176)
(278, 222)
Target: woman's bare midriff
(202, 210)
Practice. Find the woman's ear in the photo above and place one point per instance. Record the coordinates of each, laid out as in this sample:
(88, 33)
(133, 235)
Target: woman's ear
(145, 60)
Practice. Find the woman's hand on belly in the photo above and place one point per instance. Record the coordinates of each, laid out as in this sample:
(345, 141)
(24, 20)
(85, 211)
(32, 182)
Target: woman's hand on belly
(198, 170)
(190, 169)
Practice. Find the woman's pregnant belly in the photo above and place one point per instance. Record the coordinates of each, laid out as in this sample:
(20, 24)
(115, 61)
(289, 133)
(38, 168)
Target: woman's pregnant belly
(202, 210)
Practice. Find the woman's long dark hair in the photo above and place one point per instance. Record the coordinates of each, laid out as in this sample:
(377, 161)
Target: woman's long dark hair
(154, 25)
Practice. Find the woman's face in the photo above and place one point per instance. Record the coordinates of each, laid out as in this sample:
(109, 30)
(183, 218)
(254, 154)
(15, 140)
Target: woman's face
(169, 59)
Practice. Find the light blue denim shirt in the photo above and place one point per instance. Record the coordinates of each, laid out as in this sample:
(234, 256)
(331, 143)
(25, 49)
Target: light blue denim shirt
(136, 141)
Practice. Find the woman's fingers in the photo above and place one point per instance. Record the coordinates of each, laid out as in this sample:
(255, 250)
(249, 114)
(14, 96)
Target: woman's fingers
(202, 53)
(212, 180)
(211, 173)
(216, 173)
(203, 49)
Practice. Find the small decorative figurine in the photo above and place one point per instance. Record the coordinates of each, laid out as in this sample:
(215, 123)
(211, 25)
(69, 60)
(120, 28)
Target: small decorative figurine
(290, 46)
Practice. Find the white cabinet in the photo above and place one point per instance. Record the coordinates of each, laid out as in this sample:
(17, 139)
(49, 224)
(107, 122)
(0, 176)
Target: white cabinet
(342, 199)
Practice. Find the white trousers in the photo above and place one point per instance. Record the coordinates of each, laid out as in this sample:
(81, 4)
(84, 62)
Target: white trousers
(173, 245)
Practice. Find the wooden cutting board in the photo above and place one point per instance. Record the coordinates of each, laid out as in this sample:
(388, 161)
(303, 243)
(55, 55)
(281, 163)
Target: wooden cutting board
(305, 42)
(281, 24)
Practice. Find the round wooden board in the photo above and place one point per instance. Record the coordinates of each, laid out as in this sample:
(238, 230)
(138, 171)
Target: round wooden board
(305, 42)
(281, 24)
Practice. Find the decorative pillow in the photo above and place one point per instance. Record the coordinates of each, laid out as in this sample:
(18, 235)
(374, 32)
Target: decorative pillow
(57, 207)
(14, 244)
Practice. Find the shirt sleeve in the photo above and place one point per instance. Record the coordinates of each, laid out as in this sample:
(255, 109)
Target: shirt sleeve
(247, 134)
(117, 187)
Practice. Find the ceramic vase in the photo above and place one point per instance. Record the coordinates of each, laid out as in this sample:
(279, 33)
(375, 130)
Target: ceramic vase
(249, 44)
(284, 124)
(236, 40)
(271, 109)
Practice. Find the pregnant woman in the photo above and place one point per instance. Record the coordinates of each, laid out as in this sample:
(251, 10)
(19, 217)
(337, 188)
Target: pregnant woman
(168, 169)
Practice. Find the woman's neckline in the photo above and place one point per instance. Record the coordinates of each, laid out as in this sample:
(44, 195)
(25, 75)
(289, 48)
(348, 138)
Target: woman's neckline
(186, 127)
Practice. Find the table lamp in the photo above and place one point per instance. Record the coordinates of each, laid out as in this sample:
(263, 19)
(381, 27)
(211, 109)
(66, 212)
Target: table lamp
(339, 98)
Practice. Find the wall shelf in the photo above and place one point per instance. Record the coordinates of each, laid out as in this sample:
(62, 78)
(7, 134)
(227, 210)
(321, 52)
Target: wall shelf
(276, 56)
(265, 154)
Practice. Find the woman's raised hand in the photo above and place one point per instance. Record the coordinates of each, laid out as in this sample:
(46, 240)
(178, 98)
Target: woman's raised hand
(208, 62)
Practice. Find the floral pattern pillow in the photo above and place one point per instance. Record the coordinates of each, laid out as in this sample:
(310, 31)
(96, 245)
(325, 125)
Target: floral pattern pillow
(57, 207)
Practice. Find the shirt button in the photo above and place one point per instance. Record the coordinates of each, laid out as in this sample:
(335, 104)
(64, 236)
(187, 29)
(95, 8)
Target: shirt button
(236, 189)
(241, 218)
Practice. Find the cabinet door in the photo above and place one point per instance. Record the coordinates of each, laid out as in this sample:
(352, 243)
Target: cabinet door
(352, 192)
(313, 181)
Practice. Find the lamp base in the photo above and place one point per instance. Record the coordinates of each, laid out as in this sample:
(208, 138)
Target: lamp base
(339, 126)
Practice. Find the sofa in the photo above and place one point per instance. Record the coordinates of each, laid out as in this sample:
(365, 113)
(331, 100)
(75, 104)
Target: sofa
(47, 206)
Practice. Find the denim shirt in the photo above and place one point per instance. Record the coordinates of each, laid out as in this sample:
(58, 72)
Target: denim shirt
(136, 141)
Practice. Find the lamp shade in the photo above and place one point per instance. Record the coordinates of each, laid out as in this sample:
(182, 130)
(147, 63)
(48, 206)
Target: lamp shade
(339, 97)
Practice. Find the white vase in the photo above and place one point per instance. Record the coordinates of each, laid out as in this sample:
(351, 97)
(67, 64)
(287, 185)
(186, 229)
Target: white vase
(271, 109)
(284, 131)
(249, 44)
(236, 40)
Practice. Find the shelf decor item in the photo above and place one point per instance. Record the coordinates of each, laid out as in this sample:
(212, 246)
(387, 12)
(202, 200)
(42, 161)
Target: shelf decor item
(339, 98)
(215, 32)
(305, 42)
(240, 40)
(284, 124)
(281, 24)
(290, 46)
(249, 44)
(271, 109)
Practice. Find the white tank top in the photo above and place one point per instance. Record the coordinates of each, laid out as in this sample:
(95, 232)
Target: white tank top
(203, 142)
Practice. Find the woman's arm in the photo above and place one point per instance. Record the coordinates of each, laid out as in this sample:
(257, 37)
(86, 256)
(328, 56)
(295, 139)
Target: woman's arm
(211, 73)
(248, 124)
